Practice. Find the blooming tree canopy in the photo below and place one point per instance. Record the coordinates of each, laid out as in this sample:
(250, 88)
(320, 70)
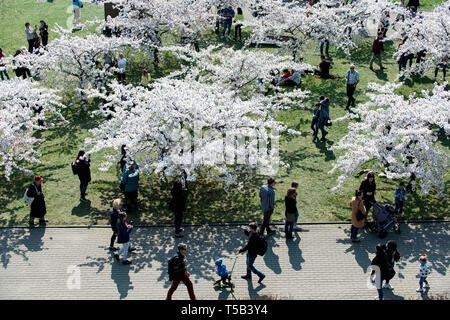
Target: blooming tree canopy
(23, 108)
(397, 133)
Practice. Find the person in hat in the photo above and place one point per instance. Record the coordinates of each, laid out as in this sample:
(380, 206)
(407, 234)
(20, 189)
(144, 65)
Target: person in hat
(424, 271)
(38, 209)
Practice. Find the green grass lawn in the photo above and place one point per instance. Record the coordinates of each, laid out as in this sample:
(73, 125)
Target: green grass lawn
(208, 202)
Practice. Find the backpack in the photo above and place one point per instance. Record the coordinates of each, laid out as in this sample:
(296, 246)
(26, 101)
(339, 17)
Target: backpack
(74, 168)
(175, 266)
(29, 200)
(262, 245)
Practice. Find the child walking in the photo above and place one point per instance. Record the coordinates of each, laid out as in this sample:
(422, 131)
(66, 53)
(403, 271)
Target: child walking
(424, 271)
(400, 197)
(223, 274)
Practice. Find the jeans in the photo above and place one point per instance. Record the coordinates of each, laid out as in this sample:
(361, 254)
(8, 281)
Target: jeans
(124, 249)
(378, 56)
(83, 188)
(175, 282)
(314, 126)
(350, 91)
(266, 221)
(399, 207)
(4, 72)
(321, 126)
(237, 29)
(326, 47)
(288, 226)
(250, 268)
(30, 45)
(422, 280)
(354, 232)
(227, 23)
(178, 219)
(296, 217)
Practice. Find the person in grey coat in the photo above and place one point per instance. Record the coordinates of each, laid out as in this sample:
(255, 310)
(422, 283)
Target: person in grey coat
(267, 196)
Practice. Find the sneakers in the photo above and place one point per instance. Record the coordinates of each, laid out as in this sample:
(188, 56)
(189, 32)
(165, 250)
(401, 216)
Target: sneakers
(261, 278)
(117, 257)
(419, 290)
(388, 286)
(377, 298)
(228, 37)
(246, 278)
(126, 262)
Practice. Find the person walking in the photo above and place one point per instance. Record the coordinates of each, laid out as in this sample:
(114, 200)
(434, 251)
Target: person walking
(130, 180)
(369, 190)
(238, 25)
(359, 215)
(77, 5)
(122, 66)
(267, 196)
(424, 271)
(178, 272)
(2, 66)
(315, 120)
(441, 65)
(43, 31)
(228, 14)
(83, 170)
(30, 36)
(377, 49)
(324, 116)
(38, 208)
(327, 46)
(352, 80)
(178, 206)
(393, 256)
(145, 79)
(291, 210)
(380, 267)
(123, 232)
(294, 185)
(114, 215)
(252, 252)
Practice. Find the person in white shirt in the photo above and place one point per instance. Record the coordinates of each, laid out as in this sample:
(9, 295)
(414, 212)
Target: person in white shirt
(30, 36)
(352, 79)
(122, 66)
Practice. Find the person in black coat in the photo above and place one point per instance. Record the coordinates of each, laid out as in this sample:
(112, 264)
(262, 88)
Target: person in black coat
(43, 30)
(368, 188)
(291, 209)
(413, 3)
(38, 208)
(84, 173)
(252, 253)
(381, 269)
(390, 248)
(178, 206)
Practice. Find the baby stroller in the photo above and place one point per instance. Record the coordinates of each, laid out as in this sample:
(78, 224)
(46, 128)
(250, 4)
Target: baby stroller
(383, 219)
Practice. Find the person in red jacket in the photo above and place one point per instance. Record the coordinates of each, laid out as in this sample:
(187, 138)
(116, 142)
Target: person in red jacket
(377, 48)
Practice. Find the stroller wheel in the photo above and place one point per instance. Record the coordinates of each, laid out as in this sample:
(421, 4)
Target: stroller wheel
(382, 234)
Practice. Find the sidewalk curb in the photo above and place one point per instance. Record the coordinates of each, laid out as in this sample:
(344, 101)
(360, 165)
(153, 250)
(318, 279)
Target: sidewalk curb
(231, 224)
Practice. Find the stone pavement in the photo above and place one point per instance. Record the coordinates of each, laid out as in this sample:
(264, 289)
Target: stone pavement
(320, 263)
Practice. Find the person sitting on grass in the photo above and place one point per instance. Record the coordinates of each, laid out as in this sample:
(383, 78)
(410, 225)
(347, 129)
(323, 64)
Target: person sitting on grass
(292, 81)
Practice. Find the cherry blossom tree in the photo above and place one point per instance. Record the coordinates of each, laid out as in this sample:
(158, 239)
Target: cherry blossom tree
(397, 133)
(291, 24)
(24, 108)
(73, 61)
(427, 32)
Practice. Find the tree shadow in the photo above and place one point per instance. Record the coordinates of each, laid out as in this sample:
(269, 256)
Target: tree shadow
(12, 241)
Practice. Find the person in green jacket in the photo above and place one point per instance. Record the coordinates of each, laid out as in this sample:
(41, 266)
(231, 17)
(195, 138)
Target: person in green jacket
(238, 26)
(130, 180)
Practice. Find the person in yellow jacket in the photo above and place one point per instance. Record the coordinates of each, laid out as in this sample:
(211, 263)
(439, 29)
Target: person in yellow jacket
(359, 214)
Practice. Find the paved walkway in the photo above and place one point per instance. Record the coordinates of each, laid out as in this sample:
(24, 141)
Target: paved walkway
(320, 263)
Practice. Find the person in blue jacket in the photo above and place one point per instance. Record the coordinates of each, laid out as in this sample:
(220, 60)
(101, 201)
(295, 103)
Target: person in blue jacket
(130, 180)
(223, 273)
(123, 233)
